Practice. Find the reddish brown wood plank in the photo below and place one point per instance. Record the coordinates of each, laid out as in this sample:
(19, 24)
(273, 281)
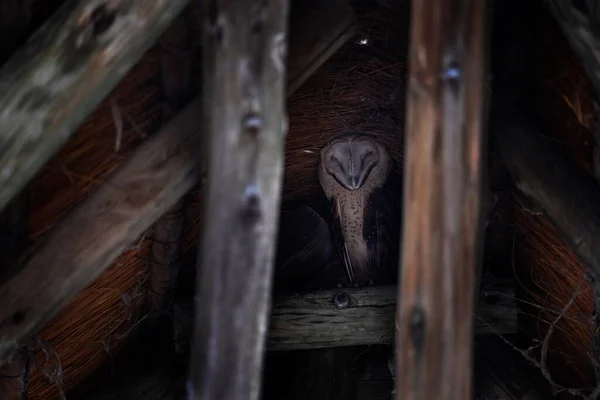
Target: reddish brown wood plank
(443, 187)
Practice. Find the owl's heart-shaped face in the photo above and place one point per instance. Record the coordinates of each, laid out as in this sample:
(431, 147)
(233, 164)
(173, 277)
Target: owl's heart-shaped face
(351, 160)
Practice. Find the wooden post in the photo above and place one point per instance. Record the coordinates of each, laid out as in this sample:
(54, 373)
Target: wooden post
(244, 81)
(443, 186)
(355, 317)
(85, 243)
(64, 71)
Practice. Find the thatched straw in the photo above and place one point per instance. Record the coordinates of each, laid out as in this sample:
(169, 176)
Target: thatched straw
(551, 277)
(564, 95)
(360, 89)
(91, 328)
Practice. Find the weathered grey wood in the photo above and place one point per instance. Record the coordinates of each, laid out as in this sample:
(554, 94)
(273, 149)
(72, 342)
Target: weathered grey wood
(63, 72)
(245, 57)
(14, 235)
(567, 195)
(94, 234)
(83, 245)
(312, 320)
(442, 231)
(318, 29)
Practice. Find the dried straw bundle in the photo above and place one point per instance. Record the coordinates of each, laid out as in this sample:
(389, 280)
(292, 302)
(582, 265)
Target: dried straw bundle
(553, 273)
(360, 89)
(551, 278)
(91, 328)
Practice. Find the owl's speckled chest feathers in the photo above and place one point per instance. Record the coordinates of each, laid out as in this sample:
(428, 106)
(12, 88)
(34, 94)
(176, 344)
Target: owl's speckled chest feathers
(351, 214)
(351, 207)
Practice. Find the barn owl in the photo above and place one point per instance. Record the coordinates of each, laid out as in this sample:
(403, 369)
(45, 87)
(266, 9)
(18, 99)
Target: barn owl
(354, 172)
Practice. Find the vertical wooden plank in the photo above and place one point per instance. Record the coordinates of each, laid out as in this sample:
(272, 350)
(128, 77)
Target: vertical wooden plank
(244, 82)
(443, 187)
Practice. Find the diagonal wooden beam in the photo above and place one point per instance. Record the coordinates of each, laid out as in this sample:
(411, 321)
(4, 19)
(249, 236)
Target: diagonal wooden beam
(245, 80)
(442, 233)
(94, 234)
(98, 230)
(63, 73)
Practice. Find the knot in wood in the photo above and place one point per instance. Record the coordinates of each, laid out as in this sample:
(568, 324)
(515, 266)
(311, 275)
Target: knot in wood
(418, 328)
(101, 19)
(252, 124)
(251, 204)
(341, 300)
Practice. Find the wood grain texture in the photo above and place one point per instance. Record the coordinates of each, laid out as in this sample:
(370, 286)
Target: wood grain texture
(245, 53)
(94, 234)
(568, 195)
(442, 232)
(319, 29)
(64, 71)
(312, 320)
(82, 246)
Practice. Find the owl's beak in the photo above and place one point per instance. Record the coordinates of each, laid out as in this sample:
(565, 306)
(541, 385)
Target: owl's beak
(354, 183)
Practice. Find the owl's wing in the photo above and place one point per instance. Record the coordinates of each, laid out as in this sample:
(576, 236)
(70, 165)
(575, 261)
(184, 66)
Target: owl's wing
(304, 246)
(382, 229)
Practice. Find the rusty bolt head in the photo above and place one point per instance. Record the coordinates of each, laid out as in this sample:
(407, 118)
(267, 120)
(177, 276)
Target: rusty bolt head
(341, 300)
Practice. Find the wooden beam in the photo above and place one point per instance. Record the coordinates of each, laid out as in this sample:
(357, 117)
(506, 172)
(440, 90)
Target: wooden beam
(313, 320)
(442, 230)
(245, 57)
(95, 233)
(63, 72)
(580, 27)
(318, 29)
(100, 228)
(568, 195)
